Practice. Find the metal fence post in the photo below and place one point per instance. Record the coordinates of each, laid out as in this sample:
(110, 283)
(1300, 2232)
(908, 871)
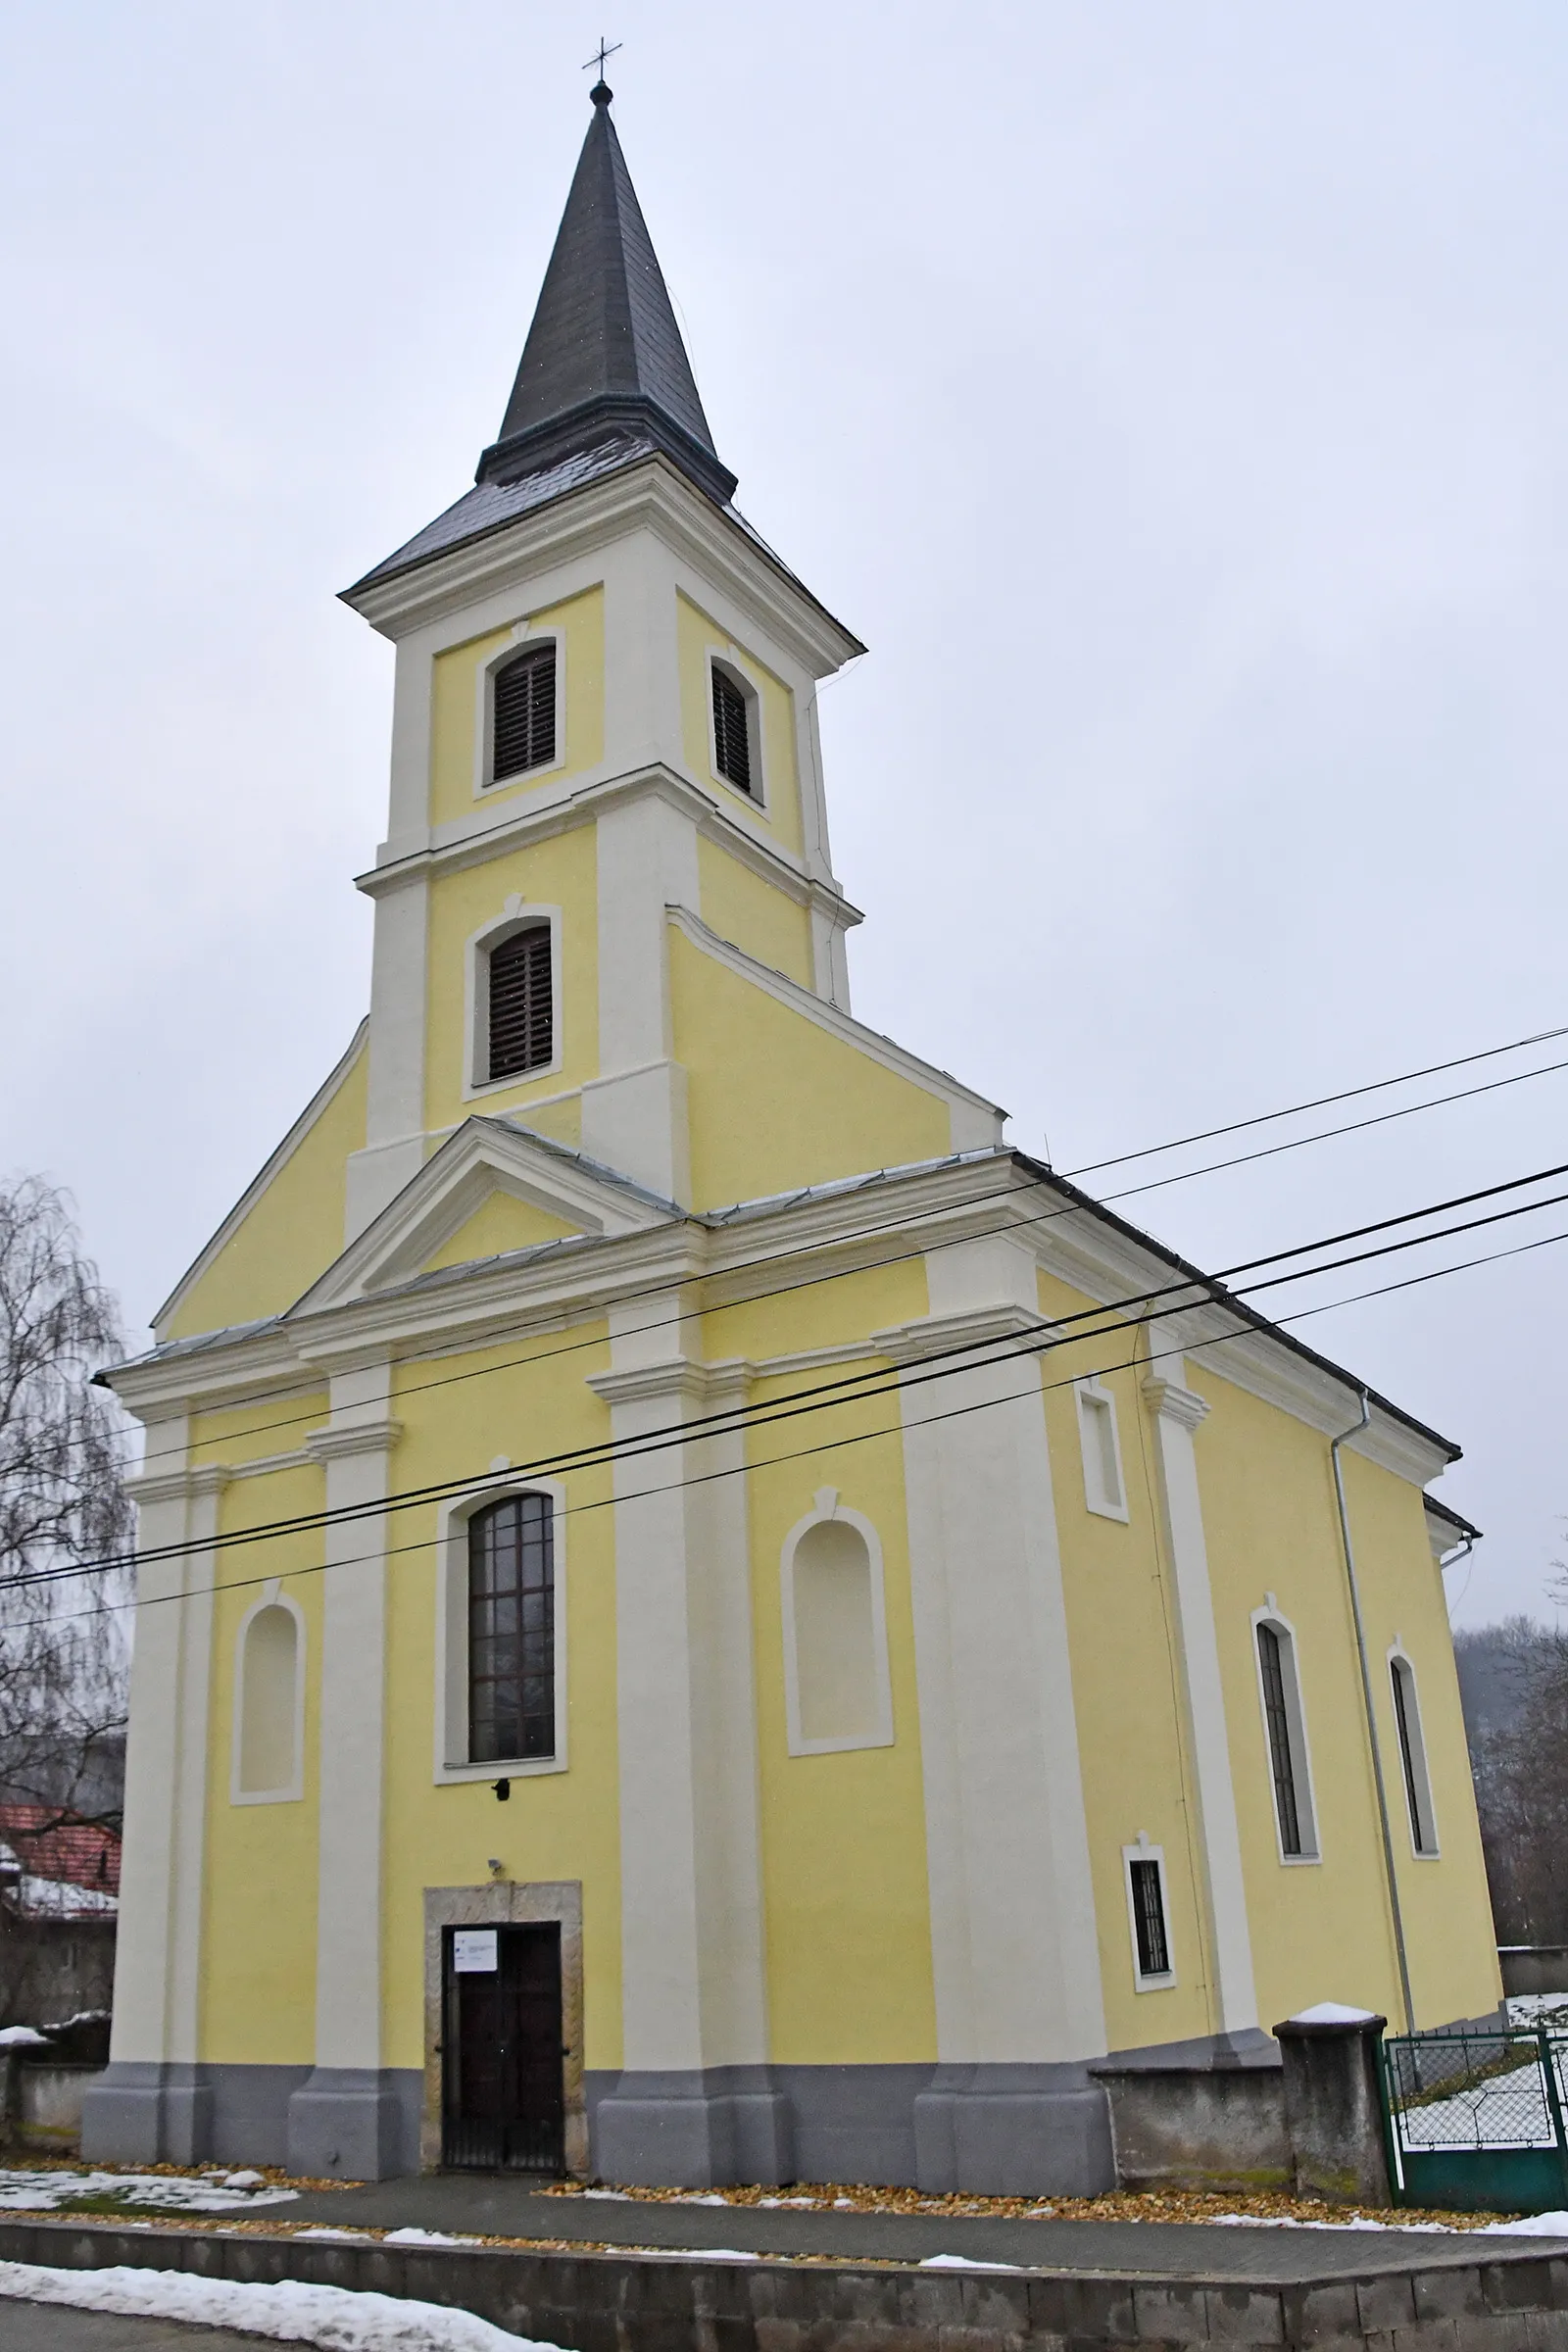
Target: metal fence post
(1548, 2069)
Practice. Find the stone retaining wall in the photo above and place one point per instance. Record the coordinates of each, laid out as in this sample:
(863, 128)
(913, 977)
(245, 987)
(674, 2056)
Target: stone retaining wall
(650, 2303)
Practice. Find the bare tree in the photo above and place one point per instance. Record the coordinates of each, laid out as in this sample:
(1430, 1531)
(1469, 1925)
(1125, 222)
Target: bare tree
(1515, 1680)
(63, 1507)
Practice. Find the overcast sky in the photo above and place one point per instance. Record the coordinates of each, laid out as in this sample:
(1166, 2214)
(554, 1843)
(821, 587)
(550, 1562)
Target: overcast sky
(1172, 395)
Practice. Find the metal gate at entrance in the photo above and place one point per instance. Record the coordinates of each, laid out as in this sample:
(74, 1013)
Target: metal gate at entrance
(1475, 2121)
(503, 2095)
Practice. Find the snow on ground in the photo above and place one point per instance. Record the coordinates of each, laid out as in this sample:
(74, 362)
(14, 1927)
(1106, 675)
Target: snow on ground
(1522, 2225)
(290, 2313)
(218, 2192)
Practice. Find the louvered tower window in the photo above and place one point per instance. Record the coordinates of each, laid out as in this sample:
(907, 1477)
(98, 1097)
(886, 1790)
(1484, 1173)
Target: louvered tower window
(521, 1006)
(732, 743)
(524, 727)
(512, 1631)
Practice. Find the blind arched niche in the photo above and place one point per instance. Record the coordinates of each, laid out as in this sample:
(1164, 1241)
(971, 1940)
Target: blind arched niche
(837, 1690)
(268, 1763)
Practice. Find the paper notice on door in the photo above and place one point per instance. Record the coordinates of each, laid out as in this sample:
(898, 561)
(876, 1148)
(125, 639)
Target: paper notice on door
(473, 1951)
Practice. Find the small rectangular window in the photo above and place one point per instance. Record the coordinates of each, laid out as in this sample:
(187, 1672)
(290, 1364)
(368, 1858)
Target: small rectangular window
(524, 723)
(732, 743)
(1145, 1907)
(522, 1004)
(1103, 1492)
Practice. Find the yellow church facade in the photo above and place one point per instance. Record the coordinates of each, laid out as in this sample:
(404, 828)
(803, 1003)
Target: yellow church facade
(701, 1617)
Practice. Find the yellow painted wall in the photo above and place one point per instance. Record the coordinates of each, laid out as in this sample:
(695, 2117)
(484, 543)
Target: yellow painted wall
(292, 1232)
(1121, 1625)
(559, 872)
(696, 636)
(1320, 1930)
(500, 1223)
(843, 1835)
(560, 1825)
(455, 707)
(1453, 1974)
(774, 1101)
(257, 1996)
(741, 907)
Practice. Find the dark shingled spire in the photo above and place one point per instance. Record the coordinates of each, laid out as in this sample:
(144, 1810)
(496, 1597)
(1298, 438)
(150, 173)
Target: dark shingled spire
(604, 350)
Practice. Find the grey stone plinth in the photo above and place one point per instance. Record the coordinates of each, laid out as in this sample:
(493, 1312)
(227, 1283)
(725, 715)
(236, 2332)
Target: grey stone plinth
(694, 2129)
(1013, 2130)
(347, 2124)
(148, 2113)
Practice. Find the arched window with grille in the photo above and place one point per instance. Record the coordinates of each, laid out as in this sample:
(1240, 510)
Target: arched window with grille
(1412, 1754)
(512, 1631)
(1285, 1733)
(523, 723)
(520, 1025)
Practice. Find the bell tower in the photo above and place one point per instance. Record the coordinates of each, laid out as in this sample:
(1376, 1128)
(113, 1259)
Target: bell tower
(605, 717)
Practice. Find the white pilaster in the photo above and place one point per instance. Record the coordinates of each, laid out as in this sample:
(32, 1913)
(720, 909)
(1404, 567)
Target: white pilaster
(1178, 1414)
(634, 1113)
(642, 660)
(151, 2105)
(1015, 1951)
(394, 1146)
(693, 1995)
(343, 2120)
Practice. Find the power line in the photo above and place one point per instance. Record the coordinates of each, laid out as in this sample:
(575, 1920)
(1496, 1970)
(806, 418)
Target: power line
(1432, 1070)
(836, 1444)
(898, 1224)
(1324, 1134)
(732, 1420)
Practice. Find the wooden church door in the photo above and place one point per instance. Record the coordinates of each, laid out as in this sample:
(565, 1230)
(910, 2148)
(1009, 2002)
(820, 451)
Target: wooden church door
(502, 2093)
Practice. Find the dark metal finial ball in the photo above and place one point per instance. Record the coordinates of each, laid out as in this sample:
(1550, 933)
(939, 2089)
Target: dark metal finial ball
(601, 93)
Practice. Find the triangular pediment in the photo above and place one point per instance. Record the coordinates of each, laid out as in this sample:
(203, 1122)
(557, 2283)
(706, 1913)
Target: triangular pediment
(491, 1188)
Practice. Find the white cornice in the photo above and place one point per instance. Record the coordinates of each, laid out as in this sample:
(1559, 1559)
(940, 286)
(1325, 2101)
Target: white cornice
(347, 1439)
(842, 1025)
(474, 840)
(1172, 1402)
(838, 1231)
(652, 495)
(977, 1327)
(677, 1377)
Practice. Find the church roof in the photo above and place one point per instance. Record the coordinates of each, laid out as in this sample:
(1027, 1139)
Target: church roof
(603, 344)
(604, 381)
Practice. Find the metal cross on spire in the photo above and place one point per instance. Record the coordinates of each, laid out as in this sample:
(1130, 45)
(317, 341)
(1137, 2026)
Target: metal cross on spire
(600, 93)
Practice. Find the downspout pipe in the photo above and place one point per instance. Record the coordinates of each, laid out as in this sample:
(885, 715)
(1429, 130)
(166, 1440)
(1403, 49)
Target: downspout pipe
(1351, 1579)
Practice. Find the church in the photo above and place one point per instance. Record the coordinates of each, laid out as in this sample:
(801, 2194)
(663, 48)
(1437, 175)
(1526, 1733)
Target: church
(701, 1616)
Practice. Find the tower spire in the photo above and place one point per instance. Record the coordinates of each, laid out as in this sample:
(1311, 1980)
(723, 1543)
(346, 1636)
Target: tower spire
(604, 350)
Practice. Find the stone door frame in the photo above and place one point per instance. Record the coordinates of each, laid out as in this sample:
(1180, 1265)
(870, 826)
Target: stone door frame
(506, 1903)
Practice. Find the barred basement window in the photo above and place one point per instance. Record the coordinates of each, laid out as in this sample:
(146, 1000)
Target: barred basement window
(521, 1009)
(524, 725)
(1286, 1740)
(732, 734)
(1146, 1910)
(512, 1631)
(1413, 1755)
